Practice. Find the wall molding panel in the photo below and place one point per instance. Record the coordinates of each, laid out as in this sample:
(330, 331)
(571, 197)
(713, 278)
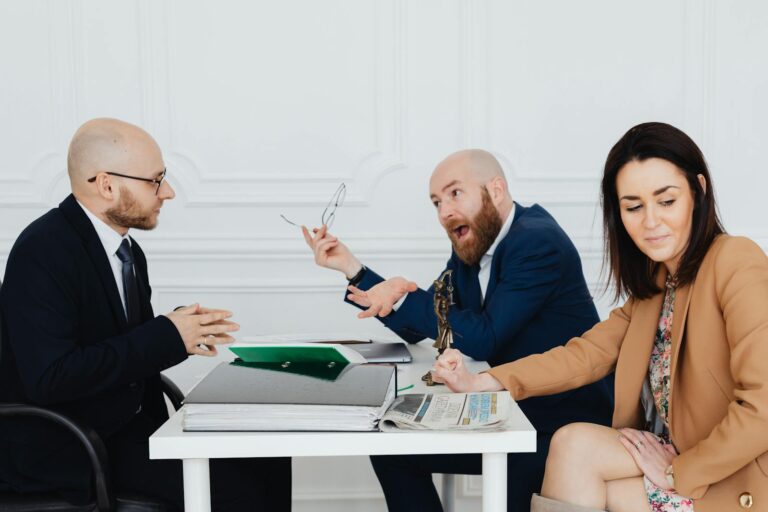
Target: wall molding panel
(217, 247)
(32, 186)
(299, 186)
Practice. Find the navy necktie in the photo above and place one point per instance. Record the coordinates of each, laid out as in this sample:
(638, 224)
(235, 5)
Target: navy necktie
(130, 288)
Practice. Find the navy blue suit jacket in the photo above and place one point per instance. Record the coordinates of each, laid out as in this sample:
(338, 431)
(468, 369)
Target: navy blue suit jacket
(67, 346)
(536, 299)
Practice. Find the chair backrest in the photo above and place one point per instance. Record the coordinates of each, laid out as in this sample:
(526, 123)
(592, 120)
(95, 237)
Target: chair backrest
(1, 328)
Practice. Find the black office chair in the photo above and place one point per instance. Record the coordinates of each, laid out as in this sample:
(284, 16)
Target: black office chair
(106, 498)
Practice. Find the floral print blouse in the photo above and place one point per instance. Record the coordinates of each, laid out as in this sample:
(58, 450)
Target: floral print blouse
(659, 499)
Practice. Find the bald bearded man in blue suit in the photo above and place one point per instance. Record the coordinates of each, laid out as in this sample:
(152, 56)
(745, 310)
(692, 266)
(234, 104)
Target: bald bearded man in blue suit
(519, 289)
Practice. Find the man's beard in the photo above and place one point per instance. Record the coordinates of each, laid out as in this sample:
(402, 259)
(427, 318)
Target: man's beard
(484, 227)
(128, 213)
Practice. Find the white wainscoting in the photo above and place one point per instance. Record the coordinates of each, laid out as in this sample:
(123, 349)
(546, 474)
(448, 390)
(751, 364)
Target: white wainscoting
(262, 108)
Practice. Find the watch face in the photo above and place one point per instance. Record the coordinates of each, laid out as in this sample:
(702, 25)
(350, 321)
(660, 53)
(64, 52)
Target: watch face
(669, 473)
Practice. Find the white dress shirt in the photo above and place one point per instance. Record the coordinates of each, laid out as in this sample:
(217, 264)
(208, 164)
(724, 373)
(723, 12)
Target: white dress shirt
(484, 275)
(111, 241)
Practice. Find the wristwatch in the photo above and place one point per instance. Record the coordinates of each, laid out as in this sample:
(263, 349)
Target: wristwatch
(357, 277)
(670, 474)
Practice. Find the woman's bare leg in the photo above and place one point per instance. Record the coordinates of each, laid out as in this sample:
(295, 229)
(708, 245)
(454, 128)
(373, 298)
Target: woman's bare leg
(583, 458)
(627, 495)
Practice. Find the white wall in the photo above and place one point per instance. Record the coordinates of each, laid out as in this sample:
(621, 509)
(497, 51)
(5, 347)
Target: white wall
(263, 108)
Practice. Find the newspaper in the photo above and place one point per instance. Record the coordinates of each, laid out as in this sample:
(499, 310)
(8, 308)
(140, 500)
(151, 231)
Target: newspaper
(448, 411)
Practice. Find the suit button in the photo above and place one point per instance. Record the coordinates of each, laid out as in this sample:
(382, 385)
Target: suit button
(745, 500)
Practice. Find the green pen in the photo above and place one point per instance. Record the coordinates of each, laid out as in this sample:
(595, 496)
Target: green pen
(405, 388)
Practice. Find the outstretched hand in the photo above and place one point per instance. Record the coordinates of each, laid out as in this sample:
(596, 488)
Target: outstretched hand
(330, 252)
(380, 299)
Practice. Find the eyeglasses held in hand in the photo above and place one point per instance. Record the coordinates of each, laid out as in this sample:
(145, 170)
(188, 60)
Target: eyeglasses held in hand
(157, 181)
(329, 214)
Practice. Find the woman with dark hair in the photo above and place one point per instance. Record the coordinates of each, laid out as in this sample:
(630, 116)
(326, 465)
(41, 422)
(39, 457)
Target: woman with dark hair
(689, 348)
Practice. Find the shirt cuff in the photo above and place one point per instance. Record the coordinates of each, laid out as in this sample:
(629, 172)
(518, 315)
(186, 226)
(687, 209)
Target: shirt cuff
(399, 303)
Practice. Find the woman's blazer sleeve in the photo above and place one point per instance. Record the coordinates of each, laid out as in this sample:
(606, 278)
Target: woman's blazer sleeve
(741, 282)
(581, 361)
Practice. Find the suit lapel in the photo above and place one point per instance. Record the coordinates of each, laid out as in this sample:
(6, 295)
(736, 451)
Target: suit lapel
(498, 253)
(93, 246)
(491, 280)
(474, 294)
(144, 299)
(680, 314)
(635, 355)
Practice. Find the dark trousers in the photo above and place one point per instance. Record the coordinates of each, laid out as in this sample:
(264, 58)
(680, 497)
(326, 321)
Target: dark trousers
(260, 484)
(407, 479)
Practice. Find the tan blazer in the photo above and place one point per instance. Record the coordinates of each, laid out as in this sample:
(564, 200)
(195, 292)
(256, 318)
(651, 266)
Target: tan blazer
(718, 411)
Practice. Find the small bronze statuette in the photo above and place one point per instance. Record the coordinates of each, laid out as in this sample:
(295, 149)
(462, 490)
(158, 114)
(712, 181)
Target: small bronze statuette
(443, 301)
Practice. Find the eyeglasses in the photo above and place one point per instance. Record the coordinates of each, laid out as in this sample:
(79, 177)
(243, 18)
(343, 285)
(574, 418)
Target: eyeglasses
(157, 181)
(329, 214)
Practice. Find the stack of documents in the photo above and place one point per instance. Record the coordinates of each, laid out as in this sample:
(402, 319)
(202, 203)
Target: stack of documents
(274, 396)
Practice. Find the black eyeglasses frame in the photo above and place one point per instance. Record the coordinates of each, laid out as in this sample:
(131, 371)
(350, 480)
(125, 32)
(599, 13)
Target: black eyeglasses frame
(329, 214)
(157, 181)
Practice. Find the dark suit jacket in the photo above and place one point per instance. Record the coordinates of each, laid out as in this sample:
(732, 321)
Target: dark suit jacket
(536, 299)
(67, 346)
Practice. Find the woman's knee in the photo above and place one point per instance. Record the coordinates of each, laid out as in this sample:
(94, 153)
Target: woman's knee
(570, 437)
(573, 442)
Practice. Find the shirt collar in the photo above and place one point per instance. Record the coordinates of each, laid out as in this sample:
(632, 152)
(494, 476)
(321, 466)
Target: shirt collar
(502, 232)
(110, 238)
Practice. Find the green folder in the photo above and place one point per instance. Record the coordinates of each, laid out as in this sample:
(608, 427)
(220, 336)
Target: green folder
(295, 353)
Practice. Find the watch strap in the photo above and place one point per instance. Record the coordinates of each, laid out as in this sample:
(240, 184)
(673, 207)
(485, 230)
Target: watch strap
(354, 280)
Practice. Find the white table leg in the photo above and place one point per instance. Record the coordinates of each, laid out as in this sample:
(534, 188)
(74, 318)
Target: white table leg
(494, 482)
(449, 491)
(197, 485)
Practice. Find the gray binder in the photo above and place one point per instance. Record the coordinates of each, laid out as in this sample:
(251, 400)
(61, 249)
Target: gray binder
(365, 384)
(290, 397)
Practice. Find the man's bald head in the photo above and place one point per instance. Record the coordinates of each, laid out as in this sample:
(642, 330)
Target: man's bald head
(102, 145)
(472, 167)
(480, 164)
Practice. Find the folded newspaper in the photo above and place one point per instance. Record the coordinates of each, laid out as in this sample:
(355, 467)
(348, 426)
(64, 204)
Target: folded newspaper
(448, 411)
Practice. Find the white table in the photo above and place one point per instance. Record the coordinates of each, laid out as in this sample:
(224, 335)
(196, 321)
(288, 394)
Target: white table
(196, 448)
